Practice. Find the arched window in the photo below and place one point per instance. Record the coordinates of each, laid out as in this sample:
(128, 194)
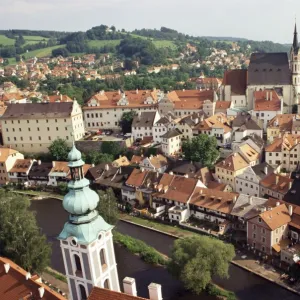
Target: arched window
(83, 295)
(78, 266)
(295, 67)
(106, 284)
(102, 258)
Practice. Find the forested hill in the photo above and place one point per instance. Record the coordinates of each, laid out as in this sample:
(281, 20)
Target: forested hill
(162, 43)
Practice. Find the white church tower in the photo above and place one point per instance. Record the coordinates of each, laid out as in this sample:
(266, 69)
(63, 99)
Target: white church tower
(295, 63)
(86, 240)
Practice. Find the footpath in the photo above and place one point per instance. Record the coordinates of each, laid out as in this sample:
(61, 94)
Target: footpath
(242, 261)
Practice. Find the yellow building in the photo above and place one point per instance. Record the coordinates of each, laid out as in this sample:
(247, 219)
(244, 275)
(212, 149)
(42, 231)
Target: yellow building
(8, 158)
(231, 167)
(32, 127)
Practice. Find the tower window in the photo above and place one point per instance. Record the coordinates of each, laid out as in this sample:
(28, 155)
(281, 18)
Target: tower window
(102, 259)
(78, 266)
(83, 295)
(106, 284)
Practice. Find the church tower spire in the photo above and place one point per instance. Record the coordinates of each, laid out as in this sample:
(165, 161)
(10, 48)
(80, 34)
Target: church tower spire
(86, 239)
(295, 63)
(295, 41)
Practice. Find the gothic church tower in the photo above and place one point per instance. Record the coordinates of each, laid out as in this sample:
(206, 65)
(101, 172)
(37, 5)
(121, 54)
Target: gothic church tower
(86, 240)
(295, 63)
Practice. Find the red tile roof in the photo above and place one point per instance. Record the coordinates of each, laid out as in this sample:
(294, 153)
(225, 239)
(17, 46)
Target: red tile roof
(237, 79)
(104, 294)
(136, 177)
(14, 286)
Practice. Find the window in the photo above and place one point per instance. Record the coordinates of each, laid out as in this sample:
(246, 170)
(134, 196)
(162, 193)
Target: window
(106, 284)
(77, 265)
(254, 227)
(15, 138)
(254, 235)
(87, 115)
(29, 128)
(259, 220)
(38, 129)
(30, 138)
(6, 129)
(49, 137)
(263, 239)
(55, 120)
(102, 258)
(48, 128)
(39, 138)
(56, 128)
(8, 139)
(83, 295)
(37, 121)
(20, 129)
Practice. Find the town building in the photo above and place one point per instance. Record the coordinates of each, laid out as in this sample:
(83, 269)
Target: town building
(171, 142)
(157, 163)
(234, 87)
(267, 104)
(268, 229)
(19, 173)
(284, 151)
(248, 183)
(281, 124)
(231, 167)
(8, 157)
(86, 239)
(275, 186)
(142, 124)
(32, 127)
(105, 109)
(270, 71)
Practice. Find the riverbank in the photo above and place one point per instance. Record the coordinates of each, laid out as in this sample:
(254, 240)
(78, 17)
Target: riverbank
(248, 264)
(39, 194)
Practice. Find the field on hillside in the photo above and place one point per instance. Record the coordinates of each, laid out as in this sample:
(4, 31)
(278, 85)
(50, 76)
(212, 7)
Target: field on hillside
(33, 39)
(30, 39)
(5, 41)
(164, 44)
(102, 43)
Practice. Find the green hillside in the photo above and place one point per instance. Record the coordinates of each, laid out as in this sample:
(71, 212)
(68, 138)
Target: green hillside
(102, 43)
(30, 39)
(5, 41)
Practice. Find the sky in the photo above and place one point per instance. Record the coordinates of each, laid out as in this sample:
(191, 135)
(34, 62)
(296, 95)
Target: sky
(253, 19)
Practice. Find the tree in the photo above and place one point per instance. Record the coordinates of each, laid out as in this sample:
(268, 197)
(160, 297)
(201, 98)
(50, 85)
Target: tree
(126, 121)
(107, 206)
(20, 237)
(59, 150)
(112, 148)
(96, 158)
(195, 260)
(201, 148)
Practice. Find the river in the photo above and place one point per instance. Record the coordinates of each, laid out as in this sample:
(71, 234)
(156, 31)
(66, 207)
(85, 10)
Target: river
(247, 286)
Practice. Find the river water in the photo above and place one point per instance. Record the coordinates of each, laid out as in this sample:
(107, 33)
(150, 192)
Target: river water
(247, 286)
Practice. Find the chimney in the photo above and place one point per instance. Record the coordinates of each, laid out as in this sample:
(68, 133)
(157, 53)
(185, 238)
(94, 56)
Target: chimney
(41, 292)
(155, 291)
(266, 170)
(129, 286)
(39, 162)
(53, 164)
(290, 210)
(137, 91)
(60, 97)
(186, 175)
(28, 275)
(277, 179)
(271, 94)
(119, 92)
(106, 167)
(250, 200)
(171, 173)
(6, 267)
(290, 184)
(142, 170)
(277, 203)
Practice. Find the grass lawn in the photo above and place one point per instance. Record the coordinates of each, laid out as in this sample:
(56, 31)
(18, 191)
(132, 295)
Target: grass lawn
(5, 41)
(41, 52)
(102, 43)
(158, 226)
(164, 44)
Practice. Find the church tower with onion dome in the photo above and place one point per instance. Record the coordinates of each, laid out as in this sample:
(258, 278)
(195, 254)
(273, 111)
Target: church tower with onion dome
(86, 240)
